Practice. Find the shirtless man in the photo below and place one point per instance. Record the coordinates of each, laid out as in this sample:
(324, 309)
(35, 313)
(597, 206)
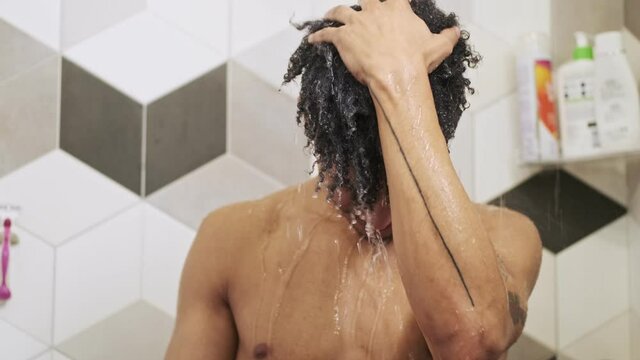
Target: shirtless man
(287, 277)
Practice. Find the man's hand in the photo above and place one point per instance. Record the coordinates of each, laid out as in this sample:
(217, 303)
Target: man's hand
(385, 39)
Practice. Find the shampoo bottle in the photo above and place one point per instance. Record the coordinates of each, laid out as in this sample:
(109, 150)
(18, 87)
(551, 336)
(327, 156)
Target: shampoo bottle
(579, 134)
(538, 124)
(617, 107)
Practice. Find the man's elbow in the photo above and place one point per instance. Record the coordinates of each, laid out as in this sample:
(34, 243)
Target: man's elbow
(473, 343)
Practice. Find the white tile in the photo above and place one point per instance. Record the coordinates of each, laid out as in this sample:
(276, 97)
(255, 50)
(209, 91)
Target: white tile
(462, 152)
(462, 8)
(52, 355)
(145, 57)
(541, 319)
(98, 273)
(82, 19)
(270, 58)
(223, 181)
(610, 341)
(206, 20)
(497, 160)
(608, 176)
(250, 23)
(593, 282)
(508, 19)
(495, 76)
(320, 7)
(16, 345)
(30, 278)
(61, 196)
(166, 244)
(38, 18)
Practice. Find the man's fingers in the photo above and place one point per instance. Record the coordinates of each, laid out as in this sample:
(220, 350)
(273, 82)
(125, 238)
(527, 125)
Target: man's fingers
(446, 41)
(327, 34)
(340, 13)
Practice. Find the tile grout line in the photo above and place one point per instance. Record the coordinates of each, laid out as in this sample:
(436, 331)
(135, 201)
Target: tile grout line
(59, 105)
(98, 224)
(53, 296)
(143, 194)
(29, 69)
(24, 332)
(594, 330)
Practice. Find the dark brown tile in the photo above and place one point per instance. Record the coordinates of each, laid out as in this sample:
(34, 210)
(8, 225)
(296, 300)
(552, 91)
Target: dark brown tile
(101, 126)
(186, 129)
(564, 208)
(632, 16)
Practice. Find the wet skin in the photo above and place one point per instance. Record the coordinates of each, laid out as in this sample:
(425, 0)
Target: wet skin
(284, 278)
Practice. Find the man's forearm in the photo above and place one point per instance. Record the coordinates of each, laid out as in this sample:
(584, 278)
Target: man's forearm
(446, 260)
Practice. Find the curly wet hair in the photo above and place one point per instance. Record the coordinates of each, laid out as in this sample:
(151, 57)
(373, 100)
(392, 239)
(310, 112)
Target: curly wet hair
(339, 117)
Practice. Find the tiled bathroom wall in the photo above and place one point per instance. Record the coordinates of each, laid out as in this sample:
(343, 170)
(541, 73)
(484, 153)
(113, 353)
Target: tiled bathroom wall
(123, 123)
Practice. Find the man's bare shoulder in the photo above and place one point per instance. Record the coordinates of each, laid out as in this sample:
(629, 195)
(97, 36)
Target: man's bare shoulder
(242, 223)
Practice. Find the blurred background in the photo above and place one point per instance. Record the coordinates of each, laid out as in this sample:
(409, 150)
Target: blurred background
(124, 122)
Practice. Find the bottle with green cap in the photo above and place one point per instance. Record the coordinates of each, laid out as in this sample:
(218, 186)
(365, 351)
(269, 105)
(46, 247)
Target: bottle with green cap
(579, 132)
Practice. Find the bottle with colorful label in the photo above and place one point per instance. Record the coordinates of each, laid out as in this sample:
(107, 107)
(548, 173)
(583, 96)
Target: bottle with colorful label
(538, 121)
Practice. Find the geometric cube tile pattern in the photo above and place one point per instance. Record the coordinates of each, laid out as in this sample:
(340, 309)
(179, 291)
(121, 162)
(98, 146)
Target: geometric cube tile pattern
(564, 209)
(186, 129)
(124, 123)
(101, 126)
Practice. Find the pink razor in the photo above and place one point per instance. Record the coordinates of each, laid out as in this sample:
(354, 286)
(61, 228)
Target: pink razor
(5, 293)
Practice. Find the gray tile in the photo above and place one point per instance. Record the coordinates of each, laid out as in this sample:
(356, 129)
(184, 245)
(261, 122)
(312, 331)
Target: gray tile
(28, 115)
(186, 129)
(632, 16)
(19, 51)
(528, 349)
(139, 332)
(101, 126)
(592, 16)
(263, 129)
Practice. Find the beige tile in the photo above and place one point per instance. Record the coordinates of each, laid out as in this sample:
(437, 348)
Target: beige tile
(592, 16)
(528, 349)
(224, 181)
(610, 341)
(263, 129)
(28, 115)
(139, 332)
(19, 51)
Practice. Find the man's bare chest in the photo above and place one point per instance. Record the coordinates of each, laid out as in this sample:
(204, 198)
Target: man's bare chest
(324, 299)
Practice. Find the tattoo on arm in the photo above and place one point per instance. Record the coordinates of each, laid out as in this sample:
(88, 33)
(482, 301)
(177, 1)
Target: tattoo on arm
(424, 201)
(518, 314)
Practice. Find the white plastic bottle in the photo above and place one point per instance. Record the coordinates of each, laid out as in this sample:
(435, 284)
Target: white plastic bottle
(579, 133)
(538, 123)
(617, 101)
